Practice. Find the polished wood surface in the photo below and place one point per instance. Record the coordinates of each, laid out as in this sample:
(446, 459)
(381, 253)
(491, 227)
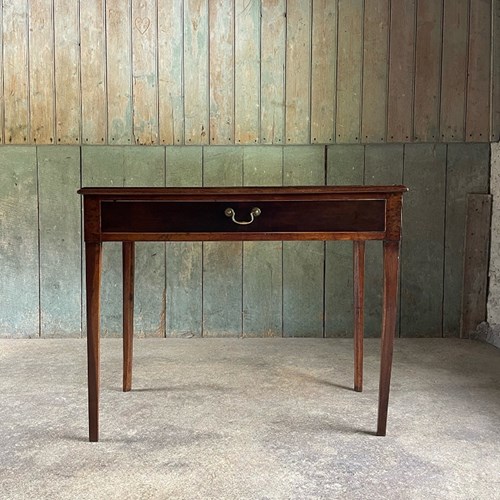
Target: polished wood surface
(356, 213)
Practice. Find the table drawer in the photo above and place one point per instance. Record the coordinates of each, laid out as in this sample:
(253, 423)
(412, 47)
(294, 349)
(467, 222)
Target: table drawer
(215, 216)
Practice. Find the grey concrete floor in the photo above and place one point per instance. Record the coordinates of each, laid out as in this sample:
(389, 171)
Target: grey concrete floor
(250, 419)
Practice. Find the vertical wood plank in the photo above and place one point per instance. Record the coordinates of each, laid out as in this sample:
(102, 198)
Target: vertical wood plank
(345, 166)
(60, 241)
(67, 72)
(93, 71)
(428, 70)
(422, 251)
(262, 260)
(170, 64)
(222, 34)
(303, 262)
(119, 72)
(41, 77)
(401, 71)
(477, 122)
(454, 70)
(2, 121)
(495, 77)
(323, 73)
(476, 257)
(196, 71)
(375, 70)
(19, 263)
(184, 298)
(349, 64)
(298, 71)
(222, 261)
(118, 166)
(145, 71)
(467, 172)
(247, 71)
(383, 165)
(273, 29)
(15, 72)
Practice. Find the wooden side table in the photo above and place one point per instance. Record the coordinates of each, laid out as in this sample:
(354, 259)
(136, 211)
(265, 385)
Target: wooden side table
(356, 213)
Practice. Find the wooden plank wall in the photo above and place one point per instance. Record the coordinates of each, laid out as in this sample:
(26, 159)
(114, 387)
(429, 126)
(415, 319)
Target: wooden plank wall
(197, 72)
(232, 289)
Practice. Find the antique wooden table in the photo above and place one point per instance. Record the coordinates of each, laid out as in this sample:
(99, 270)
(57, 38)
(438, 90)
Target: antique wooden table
(356, 213)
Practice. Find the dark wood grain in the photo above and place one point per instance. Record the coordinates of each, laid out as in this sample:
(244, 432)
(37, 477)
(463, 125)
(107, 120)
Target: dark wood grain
(128, 312)
(391, 268)
(93, 266)
(356, 213)
(359, 292)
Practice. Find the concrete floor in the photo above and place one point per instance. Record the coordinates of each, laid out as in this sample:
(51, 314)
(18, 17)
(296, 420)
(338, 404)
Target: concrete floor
(250, 419)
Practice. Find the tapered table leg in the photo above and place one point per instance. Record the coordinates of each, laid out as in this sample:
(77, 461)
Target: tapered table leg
(93, 266)
(359, 292)
(391, 269)
(128, 250)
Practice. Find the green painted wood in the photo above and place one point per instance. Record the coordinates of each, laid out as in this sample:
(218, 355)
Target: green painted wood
(495, 77)
(349, 70)
(428, 70)
(262, 260)
(184, 297)
(272, 71)
(468, 172)
(375, 56)
(222, 261)
(454, 70)
(60, 241)
(422, 248)
(345, 166)
(19, 265)
(130, 166)
(303, 262)
(383, 166)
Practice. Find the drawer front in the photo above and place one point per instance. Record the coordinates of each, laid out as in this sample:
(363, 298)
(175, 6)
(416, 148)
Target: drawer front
(274, 216)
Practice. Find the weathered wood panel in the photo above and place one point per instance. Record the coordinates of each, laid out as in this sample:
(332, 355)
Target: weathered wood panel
(145, 71)
(67, 72)
(221, 14)
(247, 71)
(19, 264)
(383, 165)
(298, 71)
(428, 70)
(262, 260)
(422, 255)
(454, 70)
(15, 72)
(184, 296)
(2, 122)
(468, 172)
(60, 241)
(323, 73)
(303, 275)
(476, 260)
(170, 64)
(478, 81)
(273, 33)
(119, 72)
(196, 72)
(401, 72)
(375, 70)
(222, 261)
(93, 72)
(132, 166)
(349, 70)
(495, 81)
(41, 74)
(345, 166)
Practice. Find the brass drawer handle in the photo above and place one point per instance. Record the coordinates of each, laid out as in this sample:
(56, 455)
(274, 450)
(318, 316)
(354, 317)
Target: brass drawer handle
(229, 212)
